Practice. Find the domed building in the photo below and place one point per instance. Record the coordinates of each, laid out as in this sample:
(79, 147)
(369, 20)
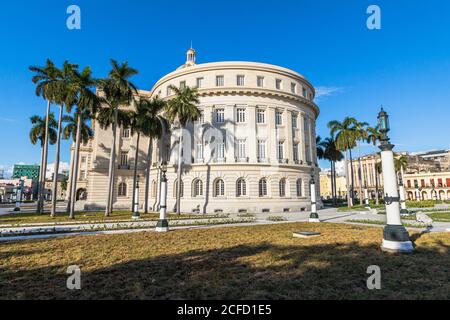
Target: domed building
(252, 149)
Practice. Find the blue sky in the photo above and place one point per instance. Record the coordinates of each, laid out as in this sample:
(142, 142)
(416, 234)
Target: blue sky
(405, 66)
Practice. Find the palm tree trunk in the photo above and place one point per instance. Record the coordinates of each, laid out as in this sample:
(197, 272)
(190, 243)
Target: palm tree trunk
(44, 165)
(136, 156)
(377, 192)
(57, 157)
(335, 183)
(112, 161)
(69, 199)
(180, 150)
(332, 181)
(75, 171)
(347, 182)
(147, 173)
(40, 177)
(352, 193)
(360, 174)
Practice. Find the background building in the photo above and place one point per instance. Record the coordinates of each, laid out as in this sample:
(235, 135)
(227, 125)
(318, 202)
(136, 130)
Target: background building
(325, 185)
(252, 150)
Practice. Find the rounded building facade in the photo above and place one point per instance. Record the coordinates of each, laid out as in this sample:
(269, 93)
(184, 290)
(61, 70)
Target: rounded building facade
(253, 148)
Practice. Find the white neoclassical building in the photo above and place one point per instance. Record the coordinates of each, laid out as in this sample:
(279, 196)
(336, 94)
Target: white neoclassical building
(252, 150)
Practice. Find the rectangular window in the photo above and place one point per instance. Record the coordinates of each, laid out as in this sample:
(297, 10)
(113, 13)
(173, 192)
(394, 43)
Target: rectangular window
(280, 150)
(219, 115)
(295, 155)
(293, 87)
(199, 151)
(169, 91)
(261, 149)
(278, 118)
(182, 85)
(422, 183)
(260, 81)
(448, 183)
(124, 158)
(409, 183)
(278, 84)
(221, 150)
(83, 159)
(241, 149)
(240, 115)
(240, 80)
(201, 117)
(219, 81)
(126, 133)
(294, 121)
(304, 92)
(199, 82)
(261, 116)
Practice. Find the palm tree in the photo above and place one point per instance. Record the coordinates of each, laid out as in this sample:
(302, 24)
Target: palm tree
(147, 121)
(70, 131)
(44, 78)
(328, 151)
(345, 141)
(182, 109)
(373, 136)
(400, 164)
(88, 102)
(37, 133)
(159, 126)
(118, 91)
(63, 95)
(361, 135)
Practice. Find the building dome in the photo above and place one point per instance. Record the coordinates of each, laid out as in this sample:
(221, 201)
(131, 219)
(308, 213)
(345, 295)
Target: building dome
(191, 57)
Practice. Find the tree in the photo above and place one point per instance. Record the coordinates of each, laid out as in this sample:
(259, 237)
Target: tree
(182, 109)
(147, 121)
(63, 95)
(37, 134)
(70, 131)
(117, 91)
(88, 102)
(361, 134)
(345, 137)
(373, 136)
(329, 152)
(400, 164)
(45, 79)
(159, 127)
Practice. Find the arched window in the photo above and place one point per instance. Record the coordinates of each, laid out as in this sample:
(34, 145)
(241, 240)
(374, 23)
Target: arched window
(122, 192)
(197, 188)
(175, 189)
(154, 189)
(299, 187)
(219, 188)
(263, 188)
(241, 188)
(282, 187)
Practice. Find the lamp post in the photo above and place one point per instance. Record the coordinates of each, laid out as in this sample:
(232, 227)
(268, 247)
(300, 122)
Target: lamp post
(163, 223)
(396, 237)
(314, 217)
(366, 195)
(19, 192)
(136, 214)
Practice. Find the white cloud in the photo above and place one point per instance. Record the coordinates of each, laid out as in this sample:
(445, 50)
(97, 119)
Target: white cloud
(63, 166)
(7, 120)
(340, 168)
(324, 91)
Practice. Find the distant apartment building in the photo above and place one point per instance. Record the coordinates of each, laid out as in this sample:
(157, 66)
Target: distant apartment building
(325, 186)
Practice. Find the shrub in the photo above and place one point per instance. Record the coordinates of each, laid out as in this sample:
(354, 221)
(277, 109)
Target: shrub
(276, 218)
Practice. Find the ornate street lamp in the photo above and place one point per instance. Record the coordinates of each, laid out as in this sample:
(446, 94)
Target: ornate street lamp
(396, 237)
(401, 189)
(163, 223)
(19, 192)
(136, 214)
(366, 194)
(314, 217)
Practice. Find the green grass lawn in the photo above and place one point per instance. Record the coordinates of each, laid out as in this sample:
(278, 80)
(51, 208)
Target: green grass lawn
(27, 218)
(257, 262)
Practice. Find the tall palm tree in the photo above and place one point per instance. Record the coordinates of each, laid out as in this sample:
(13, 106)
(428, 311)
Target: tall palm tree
(373, 136)
(330, 152)
(70, 131)
(361, 135)
(86, 99)
(118, 91)
(345, 141)
(37, 134)
(64, 95)
(400, 164)
(147, 121)
(159, 127)
(182, 109)
(44, 78)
